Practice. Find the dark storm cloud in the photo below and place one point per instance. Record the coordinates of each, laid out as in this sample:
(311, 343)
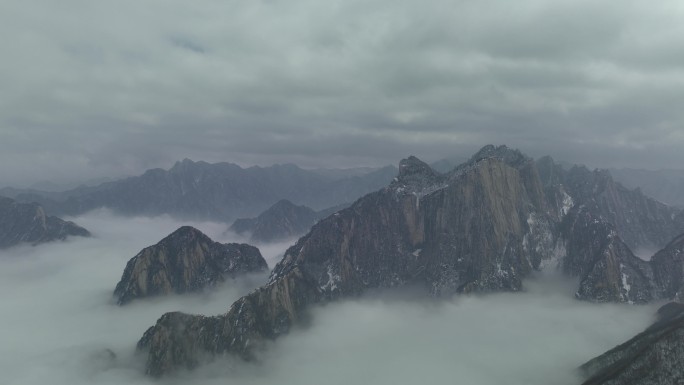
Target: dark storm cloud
(93, 89)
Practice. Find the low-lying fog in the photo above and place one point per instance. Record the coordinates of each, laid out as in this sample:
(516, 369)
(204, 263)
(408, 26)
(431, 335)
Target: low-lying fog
(57, 322)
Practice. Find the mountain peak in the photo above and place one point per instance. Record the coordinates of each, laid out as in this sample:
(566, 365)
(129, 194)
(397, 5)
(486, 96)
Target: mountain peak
(184, 232)
(412, 170)
(512, 157)
(185, 261)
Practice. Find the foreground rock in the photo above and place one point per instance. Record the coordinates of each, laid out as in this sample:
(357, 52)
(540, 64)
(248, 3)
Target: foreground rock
(27, 223)
(283, 220)
(482, 227)
(185, 261)
(653, 357)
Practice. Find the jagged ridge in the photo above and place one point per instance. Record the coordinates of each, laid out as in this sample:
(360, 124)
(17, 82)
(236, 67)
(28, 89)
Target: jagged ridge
(482, 227)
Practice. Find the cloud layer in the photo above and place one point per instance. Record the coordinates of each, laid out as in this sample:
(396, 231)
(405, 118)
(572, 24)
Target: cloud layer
(58, 322)
(104, 89)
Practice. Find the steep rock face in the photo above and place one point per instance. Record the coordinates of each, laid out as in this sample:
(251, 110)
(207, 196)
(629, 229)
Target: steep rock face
(653, 357)
(185, 261)
(668, 267)
(608, 270)
(467, 231)
(27, 223)
(470, 230)
(281, 221)
(601, 223)
(640, 221)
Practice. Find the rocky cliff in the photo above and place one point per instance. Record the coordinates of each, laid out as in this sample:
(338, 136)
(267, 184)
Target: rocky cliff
(653, 357)
(283, 220)
(185, 261)
(27, 223)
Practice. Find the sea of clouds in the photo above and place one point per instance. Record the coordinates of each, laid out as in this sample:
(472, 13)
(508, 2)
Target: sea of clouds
(59, 325)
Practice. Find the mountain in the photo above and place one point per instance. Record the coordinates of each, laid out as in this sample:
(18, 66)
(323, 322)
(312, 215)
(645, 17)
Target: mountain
(27, 223)
(605, 222)
(185, 261)
(281, 221)
(666, 186)
(200, 190)
(482, 227)
(653, 357)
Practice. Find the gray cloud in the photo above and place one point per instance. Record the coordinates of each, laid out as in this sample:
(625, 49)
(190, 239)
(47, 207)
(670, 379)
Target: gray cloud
(100, 89)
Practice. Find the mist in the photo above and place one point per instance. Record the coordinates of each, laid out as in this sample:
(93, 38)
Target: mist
(59, 324)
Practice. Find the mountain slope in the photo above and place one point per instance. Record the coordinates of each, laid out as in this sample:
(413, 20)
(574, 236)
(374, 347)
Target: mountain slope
(653, 357)
(281, 221)
(27, 223)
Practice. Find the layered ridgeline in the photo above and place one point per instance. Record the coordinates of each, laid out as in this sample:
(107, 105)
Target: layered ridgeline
(200, 190)
(27, 223)
(664, 185)
(604, 223)
(185, 261)
(653, 357)
(482, 227)
(283, 220)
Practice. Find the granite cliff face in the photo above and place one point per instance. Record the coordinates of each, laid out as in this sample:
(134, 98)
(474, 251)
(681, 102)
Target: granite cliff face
(185, 261)
(482, 227)
(653, 357)
(283, 220)
(27, 223)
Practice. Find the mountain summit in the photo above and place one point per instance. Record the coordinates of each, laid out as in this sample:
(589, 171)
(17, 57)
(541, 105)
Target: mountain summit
(185, 261)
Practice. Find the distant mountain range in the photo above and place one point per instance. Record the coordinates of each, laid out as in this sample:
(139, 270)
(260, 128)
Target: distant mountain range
(281, 221)
(219, 191)
(666, 186)
(28, 223)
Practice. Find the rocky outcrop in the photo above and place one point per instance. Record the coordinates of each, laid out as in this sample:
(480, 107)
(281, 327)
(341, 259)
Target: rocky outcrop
(180, 340)
(608, 270)
(653, 357)
(281, 221)
(27, 223)
(185, 261)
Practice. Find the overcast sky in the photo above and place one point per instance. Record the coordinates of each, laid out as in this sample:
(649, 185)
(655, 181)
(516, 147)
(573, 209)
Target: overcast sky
(97, 88)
